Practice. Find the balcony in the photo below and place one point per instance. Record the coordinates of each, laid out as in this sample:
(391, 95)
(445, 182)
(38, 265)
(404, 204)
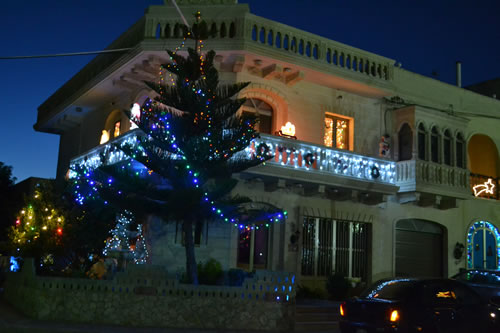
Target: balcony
(316, 168)
(430, 183)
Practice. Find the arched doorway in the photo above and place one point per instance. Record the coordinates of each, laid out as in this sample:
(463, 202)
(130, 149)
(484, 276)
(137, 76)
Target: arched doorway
(420, 248)
(483, 246)
(483, 166)
(483, 156)
(264, 113)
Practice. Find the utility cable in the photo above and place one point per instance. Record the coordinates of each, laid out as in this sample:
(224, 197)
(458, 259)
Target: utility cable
(66, 54)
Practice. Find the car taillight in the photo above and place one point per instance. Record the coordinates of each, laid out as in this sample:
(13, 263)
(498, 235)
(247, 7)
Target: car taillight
(342, 312)
(394, 316)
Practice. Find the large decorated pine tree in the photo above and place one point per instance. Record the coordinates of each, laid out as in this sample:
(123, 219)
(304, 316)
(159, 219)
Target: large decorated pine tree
(190, 140)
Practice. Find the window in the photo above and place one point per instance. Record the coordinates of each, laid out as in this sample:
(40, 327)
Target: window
(435, 145)
(447, 147)
(422, 142)
(336, 132)
(330, 245)
(460, 151)
(405, 138)
(264, 113)
(200, 230)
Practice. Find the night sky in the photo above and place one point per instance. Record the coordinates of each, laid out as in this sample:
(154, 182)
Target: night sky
(425, 36)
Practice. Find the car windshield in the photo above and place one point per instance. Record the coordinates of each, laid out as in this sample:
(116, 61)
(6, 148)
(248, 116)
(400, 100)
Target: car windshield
(390, 290)
(480, 277)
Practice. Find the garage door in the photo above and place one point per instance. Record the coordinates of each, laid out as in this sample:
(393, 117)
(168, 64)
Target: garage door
(419, 248)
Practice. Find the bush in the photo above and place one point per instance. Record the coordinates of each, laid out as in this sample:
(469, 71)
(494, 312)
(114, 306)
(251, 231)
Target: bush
(304, 292)
(337, 286)
(235, 277)
(210, 273)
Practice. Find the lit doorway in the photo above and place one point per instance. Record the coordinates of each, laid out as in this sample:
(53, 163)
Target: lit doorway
(253, 245)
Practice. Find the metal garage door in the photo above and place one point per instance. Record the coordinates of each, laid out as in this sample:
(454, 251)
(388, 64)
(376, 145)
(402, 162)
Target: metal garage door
(419, 248)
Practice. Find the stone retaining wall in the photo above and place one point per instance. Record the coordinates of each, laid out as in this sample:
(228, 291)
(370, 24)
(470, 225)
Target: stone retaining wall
(145, 296)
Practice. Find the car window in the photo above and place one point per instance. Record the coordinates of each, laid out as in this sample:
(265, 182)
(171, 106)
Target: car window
(390, 290)
(438, 293)
(480, 277)
(464, 295)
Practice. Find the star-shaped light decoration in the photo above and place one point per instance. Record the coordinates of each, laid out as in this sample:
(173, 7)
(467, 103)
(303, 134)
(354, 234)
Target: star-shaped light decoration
(487, 187)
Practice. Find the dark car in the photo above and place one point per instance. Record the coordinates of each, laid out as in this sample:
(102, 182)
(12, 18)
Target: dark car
(485, 282)
(419, 305)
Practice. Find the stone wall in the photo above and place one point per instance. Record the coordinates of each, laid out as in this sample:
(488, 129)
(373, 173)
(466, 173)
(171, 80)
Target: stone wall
(145, 296)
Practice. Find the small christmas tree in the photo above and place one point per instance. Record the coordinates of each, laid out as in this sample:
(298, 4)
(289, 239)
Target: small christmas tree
(129, 244)
(39, 227)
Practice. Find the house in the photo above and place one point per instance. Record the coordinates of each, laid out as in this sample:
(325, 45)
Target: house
(383, 172)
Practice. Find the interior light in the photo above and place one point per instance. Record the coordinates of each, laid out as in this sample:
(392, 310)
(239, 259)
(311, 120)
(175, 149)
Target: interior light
(394, 315)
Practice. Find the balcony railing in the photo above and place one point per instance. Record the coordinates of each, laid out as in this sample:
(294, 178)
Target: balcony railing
(484, 186)
(418, 175)
(288, 154)
(319, 159)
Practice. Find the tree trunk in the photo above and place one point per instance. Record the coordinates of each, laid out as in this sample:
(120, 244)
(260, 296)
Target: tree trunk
(191, 267)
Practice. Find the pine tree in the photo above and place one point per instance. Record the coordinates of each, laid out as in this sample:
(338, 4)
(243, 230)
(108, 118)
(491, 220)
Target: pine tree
(190, 141)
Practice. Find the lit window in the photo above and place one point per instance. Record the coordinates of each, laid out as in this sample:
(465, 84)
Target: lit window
(116, 131)
(336, 132)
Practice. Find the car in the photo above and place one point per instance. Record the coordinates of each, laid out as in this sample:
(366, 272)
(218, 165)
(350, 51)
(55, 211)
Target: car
(485, 282)
(419, 305)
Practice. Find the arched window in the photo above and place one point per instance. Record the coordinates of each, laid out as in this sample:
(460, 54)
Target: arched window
(460, 151)
(263, 111)
(483, 246)
(405, 139)
(422, 142)
(435, 145)
(447, 147)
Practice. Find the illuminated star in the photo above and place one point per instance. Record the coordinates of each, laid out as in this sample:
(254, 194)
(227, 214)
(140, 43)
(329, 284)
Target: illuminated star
(487, 187)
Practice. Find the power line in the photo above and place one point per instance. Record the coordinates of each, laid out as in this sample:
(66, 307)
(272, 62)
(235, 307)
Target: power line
(65, 54)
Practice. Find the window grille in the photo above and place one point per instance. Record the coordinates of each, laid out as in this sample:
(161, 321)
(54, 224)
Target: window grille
(332, 245)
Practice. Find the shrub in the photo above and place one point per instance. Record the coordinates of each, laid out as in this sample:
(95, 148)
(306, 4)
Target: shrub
(337, 286)
(304, 292)
(235, 277)
(210, 273)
